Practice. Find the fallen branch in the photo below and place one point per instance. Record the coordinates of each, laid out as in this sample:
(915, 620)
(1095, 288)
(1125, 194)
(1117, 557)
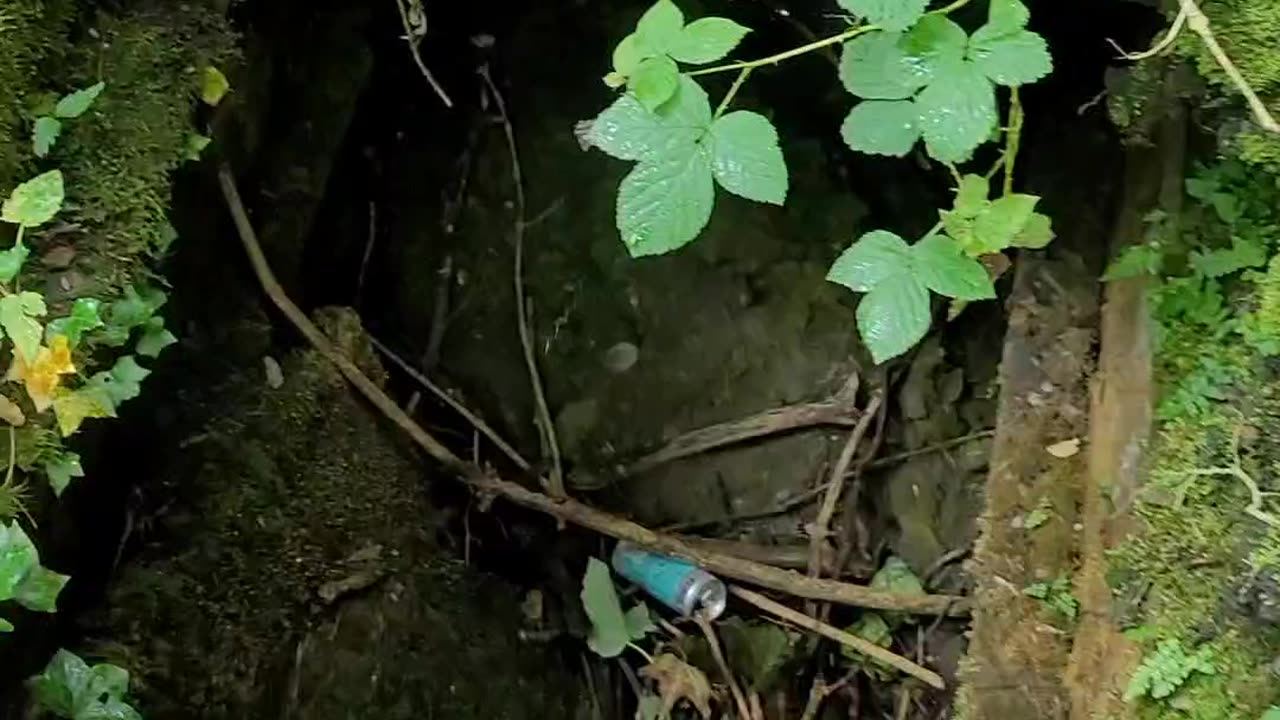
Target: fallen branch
(412, 35)
(565, 510)
(865, 647)
(546, 425)
(836, 410)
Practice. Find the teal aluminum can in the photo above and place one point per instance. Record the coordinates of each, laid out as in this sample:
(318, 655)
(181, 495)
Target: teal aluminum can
(677, 583)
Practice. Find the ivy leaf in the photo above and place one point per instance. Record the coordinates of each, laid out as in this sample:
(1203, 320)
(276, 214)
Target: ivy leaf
(129, 312)
(933, 44)
(61, 469)
(654, 81)
(609, 634)
(627, 129)
(39, 590)
(75, 104)
(85, 316)
(72, 408)
(17, 317)
(946, 270)
(1010, 58)
(59, 687)
(44, 134)
(11, 261)
(18, 557)
(155, 338)
(957, 111)
(213, 85)
(659, 28)
(664, 202)
(628, 54)
(1000, 224)
(888, 14)
(894, 316)
(746, 159)
(35, 201)
(7, 627)
(707, 40)
(124, 380)
(882, 127)
(874, 66)
(875, 257)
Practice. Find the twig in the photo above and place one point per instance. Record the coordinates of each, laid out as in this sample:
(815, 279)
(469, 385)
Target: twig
(411, 39)
(368, 251)
(1159, 47)
(864, 647)
(1254, 508)
(565, 510)
(1199, 24)
(547, 425)
(817, 693)
(449, 400)
(740, 700)
(944, 445)
(946, 559)
(836, 410)
(822, 525)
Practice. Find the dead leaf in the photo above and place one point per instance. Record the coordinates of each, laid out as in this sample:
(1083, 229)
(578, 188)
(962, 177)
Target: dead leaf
(42, 376)
(678, 680)
(10, 412)
(1064, 449)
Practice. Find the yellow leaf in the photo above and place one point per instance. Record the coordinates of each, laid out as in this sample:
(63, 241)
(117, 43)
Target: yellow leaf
(73, 408)
(11, 413)
(41, 377)
(213, 85)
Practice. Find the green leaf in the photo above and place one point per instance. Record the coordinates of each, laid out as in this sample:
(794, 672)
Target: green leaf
(94, 400)
(874, 66)
(111, 709)
(1135, 261)
(1037, 233)
(957, 111)
(1008, 15)
(129, 312)
(756, 650)
(875, 257)
(1242, 254)
(746, 159)
(6, 626)
(871, 627)
(888, 14)
(665, 201)
(894, 316)
(60, 687)
(628, 55)
(946, 270)
(35, 201)
(196, 143)
(659, 28)
(155, 338)
(882, 127)
(61, 468)
(639, 622)
(609, 634)
(75, 104)
(213, 85)
(1162, 672)
(126, 378)
(999, 225)
(896, 576)
(11, 261)
(629, 131)
(971, 196)
(1010, 58)
(39, 590)
(934, 44)
(18, 557)
(654, 81)
(707, 40)
(85, 316)
(17, 317)
(44, 134)
(650, 707)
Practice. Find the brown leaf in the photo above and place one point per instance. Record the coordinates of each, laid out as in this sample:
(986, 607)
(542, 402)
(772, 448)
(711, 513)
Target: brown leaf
(678, 680)
(10, 412)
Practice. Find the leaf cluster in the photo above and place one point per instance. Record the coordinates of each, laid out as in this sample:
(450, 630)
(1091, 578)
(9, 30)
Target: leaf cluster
(1056, 595)
(22, 578)
(68, 687)
(47, 128)
(1162, 672)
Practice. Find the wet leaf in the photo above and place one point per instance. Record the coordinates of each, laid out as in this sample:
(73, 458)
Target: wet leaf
(85, 316)
(746, 159)
(155, 338)
(627, 129)
(888, 14)
(934, 44)
(707, 40)
(68, 687)
(75, 104)
(876, 67)
(1010, 58)
(44, 134)
(39, 590)
(35, 201)
(678, 680)
(894, 316)
(971, 196)
(875, 256)
(957, 111)
(61, 468)
(882, 127)
(1064, 449)
(999, 225)
(609, 633)
(1008, 15)
(659, 28)
(665, 201)
(628, 54)
(654, 81)
(11, 262)
(18, 557)
(944, 268)
(897, 576)
(213, 85)
(18, 315)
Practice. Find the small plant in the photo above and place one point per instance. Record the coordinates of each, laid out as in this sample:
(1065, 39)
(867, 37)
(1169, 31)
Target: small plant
(612, 630)
(22, 578)
(71, 688)
(48, 127)
(919, 77)
(1056, 595)
(1167, 669)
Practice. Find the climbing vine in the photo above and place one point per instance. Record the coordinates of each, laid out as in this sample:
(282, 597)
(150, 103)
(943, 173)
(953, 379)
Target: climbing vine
(919, 78)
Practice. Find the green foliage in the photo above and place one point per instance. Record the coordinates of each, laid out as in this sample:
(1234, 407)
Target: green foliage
(757, 650)
(645, 61)
(878, 627)
(897, 278)
(1056, 595)
(35, 201)
(984, 226)
(612, 630)
(68, 687)
(22, 578)
(48, 128)
(1167, 669)
(18, 315)
(61, 468)
(887, 14)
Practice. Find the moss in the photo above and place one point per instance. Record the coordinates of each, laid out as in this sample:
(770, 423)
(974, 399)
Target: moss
(30, 30)
(1247, 31)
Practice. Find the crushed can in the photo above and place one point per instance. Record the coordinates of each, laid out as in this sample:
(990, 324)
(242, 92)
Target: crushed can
(677, 583)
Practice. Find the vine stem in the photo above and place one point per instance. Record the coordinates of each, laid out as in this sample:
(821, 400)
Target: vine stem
(17, 240)
(1014, 140)
(733, 90)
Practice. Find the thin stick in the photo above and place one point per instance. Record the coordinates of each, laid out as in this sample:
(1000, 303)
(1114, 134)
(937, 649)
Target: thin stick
(864, 647)
(822, 525)
(740, 700)
(937, 447)
(1159, 47)
(1199, 24)
(564, 510)
(368, 251)
(835, 410)
(449, 400)
(411, 39)
(556, 484)
(817, 693)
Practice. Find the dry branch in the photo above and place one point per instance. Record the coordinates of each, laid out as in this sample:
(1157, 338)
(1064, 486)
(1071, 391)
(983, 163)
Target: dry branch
(822, 525)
